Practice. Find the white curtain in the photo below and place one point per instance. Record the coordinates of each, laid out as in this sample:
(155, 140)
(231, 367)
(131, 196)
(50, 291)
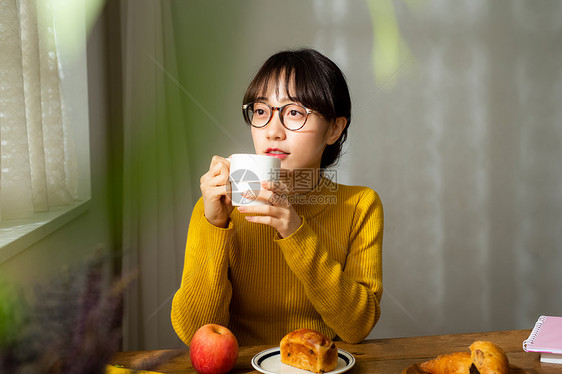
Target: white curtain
(37, 156)
(462, 140)
(156, 193)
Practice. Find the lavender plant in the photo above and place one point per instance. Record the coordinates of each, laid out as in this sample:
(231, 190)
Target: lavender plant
(73, 321)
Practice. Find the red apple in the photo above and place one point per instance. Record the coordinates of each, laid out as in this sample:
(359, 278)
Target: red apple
(213, 350)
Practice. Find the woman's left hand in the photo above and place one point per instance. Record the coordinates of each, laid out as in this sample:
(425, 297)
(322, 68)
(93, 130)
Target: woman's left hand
(277, 213)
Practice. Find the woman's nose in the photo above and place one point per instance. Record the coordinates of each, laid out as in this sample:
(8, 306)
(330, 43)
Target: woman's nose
(275, 129)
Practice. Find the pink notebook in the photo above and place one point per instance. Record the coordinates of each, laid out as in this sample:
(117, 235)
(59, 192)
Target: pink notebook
(546, 336)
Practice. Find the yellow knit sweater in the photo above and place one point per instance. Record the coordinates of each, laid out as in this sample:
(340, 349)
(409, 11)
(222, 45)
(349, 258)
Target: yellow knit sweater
(326, 276)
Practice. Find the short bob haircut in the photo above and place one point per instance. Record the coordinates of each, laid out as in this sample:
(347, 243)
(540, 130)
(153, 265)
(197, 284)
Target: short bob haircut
(318, 84)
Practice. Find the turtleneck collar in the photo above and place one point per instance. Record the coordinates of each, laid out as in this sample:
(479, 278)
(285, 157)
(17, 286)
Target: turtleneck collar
(315, 201)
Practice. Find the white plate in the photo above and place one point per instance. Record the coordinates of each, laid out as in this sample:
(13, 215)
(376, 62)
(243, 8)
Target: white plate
(269, 362)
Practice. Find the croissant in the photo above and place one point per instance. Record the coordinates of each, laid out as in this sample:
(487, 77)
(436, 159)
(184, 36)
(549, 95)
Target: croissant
(485, 358)
(452, 363)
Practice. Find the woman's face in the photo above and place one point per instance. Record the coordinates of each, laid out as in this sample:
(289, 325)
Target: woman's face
(301, 149)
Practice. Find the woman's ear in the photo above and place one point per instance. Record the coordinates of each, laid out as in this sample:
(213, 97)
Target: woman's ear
(336, 130)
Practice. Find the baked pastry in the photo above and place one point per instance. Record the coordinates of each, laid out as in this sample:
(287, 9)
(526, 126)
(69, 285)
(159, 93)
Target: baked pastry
(309, 350)
(452, 363)
(489, 358)
(485, 358)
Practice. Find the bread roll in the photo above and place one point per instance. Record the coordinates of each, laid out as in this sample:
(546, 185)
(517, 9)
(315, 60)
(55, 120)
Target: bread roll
(309, 350)
(489, 358)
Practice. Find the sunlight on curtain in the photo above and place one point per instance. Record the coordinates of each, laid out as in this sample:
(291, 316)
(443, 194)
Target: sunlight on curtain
(38, 164)
(465, 154)
(156, 174)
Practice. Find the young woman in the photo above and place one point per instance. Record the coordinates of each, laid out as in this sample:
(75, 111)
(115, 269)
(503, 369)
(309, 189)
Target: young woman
(309, 258)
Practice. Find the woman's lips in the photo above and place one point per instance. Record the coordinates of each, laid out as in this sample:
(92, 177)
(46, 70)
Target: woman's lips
(276, 153)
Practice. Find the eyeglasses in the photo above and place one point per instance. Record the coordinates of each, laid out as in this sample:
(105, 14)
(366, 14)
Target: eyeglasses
(292, 116)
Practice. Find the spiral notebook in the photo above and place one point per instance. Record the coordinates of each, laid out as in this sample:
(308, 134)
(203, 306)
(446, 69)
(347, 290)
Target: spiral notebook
(546, 338)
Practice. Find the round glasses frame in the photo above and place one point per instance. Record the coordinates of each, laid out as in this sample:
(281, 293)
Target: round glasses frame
(279, 109)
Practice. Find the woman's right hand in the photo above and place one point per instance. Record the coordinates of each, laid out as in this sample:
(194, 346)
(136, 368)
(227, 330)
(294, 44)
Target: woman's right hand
(214, 189)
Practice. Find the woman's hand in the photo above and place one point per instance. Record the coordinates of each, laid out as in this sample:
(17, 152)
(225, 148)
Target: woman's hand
(278, 213)
(214, 189)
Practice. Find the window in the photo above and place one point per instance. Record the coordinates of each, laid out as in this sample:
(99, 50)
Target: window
(44, 164)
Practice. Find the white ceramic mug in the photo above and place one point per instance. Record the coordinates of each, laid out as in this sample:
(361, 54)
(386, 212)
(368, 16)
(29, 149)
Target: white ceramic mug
(246, 173)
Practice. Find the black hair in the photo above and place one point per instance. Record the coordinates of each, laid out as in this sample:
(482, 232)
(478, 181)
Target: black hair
(319, 84)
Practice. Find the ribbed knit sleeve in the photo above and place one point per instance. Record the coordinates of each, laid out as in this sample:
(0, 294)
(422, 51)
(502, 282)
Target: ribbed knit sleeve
(205, 292)
(347, 297)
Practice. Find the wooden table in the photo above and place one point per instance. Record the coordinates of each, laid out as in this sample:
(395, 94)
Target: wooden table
(385, 355)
